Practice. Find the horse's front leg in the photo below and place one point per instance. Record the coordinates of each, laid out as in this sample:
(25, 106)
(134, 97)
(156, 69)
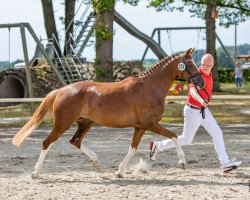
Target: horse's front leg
(133, 147)
(180, 153)
(162, 131)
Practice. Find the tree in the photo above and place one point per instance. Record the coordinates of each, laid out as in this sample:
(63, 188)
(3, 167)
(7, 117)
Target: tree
(103, 27)
(210, 17)
(230, 12)
(104, 39)
(49, 21)
(69, 24)
(50, 24)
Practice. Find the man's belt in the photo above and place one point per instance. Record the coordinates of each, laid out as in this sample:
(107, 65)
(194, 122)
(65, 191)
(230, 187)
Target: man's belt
(202, 109)
(194, 107)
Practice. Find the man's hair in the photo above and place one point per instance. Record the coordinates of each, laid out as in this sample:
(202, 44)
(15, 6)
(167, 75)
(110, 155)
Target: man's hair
(207, 57)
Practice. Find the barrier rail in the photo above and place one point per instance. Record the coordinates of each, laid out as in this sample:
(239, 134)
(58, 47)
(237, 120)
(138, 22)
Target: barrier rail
(215, 97)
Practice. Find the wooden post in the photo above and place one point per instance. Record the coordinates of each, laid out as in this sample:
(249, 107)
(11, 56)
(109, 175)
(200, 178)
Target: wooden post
(235, 41)
(27, 69)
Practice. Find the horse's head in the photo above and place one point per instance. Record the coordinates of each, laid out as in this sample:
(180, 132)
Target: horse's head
(188, 70)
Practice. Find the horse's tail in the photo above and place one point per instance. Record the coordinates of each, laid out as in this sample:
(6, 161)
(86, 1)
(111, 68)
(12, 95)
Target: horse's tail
(45, 107)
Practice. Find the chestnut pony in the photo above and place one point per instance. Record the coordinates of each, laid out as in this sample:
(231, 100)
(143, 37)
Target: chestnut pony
(136, 101)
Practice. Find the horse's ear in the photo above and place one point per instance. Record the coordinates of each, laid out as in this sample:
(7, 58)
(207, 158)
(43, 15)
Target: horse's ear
(189, 52)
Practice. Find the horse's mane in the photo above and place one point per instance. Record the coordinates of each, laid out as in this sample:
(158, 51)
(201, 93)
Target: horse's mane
(159, 64)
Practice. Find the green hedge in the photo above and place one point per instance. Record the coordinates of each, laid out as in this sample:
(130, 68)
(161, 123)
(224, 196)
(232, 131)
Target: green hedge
(227, 75)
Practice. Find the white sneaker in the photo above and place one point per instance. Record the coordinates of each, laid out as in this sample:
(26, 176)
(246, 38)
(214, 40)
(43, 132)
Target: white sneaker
(231, 165)
(153, 150)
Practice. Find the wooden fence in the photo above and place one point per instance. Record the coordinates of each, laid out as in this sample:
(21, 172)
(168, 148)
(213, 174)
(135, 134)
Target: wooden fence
(215, 97)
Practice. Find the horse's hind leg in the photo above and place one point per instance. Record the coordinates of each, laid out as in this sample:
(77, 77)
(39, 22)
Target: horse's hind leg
(162, 131)
(84, 126)
(59, 128)
(39, 164)
(134, 144)
(46, 147)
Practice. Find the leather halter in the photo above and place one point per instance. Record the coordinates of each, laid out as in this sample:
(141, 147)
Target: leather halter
(191, 76)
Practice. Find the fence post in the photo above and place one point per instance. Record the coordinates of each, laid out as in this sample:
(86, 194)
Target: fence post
(27, 69)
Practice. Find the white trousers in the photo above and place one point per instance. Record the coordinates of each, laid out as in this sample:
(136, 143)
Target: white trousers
(192, 121)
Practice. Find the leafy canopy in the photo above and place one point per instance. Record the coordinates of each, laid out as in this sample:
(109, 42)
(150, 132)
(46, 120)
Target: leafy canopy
(230, 11)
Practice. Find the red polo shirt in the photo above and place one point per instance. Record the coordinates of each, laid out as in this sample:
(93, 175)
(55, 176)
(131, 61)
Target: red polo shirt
(208, 87)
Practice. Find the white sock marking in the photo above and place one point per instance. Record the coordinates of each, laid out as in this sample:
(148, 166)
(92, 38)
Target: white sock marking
(39, 164)
(124, 163)
(89, 153)
(180, 152)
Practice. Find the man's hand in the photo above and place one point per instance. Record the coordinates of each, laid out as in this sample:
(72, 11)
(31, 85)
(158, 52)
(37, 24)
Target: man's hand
(198, 98)
(205, 104)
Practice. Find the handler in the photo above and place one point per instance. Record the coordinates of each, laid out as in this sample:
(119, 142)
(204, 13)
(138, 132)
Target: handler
(197, 113)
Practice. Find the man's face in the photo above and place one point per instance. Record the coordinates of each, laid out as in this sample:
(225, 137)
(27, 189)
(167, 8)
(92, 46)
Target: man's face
(207, 65)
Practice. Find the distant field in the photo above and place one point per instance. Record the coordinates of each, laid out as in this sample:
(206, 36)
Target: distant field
(225, 111)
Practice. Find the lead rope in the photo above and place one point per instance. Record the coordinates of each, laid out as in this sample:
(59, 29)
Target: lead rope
(206, 100)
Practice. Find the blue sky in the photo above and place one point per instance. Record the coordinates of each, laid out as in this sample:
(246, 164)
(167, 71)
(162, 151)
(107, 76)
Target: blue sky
(126, 47)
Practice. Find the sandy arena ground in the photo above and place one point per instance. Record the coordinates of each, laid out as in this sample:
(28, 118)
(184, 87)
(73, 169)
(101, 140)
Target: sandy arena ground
(68, 173)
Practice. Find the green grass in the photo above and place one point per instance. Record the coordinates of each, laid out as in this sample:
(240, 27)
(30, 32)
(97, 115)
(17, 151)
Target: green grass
(16, 110)
(224, 111)
(21, 110)
(229, 88)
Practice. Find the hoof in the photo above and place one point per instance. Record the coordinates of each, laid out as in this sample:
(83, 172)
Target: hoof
(128, 171)
(152, 158)
(119, 175)
(97, 165)
(34, 175)
(183, 166)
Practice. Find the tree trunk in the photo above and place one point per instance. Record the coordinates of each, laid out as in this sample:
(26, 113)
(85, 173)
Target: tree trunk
(104, 45)
(69, 24)
(49, 21)
(211, 42)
